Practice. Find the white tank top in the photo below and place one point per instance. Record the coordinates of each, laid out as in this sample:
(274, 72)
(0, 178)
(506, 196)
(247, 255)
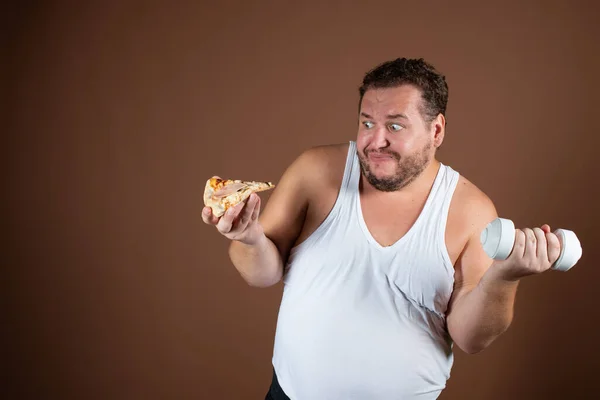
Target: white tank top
(361, 321)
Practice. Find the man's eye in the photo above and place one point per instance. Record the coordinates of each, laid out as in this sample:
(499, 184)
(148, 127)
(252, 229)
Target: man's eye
(368, 124)
(395, 127)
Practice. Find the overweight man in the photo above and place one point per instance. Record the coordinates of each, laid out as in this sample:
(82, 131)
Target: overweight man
(378, 247)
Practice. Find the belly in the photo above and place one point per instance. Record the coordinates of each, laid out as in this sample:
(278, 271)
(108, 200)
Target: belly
(341, 346)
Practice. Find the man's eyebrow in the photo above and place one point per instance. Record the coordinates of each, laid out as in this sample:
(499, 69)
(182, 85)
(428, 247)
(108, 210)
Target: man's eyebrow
(390, 116)
(396, 116)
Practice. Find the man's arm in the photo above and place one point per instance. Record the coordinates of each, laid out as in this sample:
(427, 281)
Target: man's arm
(479, 311)
(482, 304)
(260, 261)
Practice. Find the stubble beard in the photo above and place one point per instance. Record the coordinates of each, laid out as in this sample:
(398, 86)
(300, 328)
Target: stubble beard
(407, 169)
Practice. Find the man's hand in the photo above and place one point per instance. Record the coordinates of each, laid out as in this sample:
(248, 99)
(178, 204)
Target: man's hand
(252, 253)
(239, 222)
(534, 251)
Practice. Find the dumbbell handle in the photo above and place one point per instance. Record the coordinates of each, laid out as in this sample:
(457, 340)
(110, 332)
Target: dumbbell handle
(498, 239)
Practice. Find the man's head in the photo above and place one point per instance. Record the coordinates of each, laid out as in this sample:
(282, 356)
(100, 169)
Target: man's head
(401, 121)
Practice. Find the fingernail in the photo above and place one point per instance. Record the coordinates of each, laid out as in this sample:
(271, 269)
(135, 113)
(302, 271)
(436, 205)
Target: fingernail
(206, 210)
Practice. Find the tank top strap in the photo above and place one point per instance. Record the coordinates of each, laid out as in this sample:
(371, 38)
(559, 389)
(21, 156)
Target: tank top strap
(351, 171)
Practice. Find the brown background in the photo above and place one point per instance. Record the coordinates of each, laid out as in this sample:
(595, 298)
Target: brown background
(118, 112)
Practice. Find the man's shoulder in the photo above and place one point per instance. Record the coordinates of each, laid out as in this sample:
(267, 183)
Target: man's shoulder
(468, 191)
(324, 161)
(325, 153)
(472, 205)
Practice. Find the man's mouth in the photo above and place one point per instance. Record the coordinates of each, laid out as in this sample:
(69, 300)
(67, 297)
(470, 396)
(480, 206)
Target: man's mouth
(380, 157)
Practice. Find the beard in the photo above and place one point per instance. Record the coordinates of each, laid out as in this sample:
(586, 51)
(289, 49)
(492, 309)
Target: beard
(407, 168)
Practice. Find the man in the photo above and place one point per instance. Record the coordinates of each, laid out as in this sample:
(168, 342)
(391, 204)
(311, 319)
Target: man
(378, 245)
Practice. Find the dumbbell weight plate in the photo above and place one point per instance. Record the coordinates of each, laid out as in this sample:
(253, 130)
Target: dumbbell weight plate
(570, 250)
(498, 238)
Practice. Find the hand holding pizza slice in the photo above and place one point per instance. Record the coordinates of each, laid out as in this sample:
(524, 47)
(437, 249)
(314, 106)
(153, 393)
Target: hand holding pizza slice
(241, 224)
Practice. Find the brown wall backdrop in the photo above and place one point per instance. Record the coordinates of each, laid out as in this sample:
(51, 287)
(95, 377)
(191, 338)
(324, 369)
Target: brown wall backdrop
(118, 112)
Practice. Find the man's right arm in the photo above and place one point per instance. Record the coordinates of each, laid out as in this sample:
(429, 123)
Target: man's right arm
(261, 261)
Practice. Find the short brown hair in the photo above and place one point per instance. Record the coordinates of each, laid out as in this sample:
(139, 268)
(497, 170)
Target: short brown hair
(417, 72)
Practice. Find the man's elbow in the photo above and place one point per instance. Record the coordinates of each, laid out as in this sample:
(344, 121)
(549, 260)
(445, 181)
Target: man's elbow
(260, 279)
(474, 345)
(262, 283)
(473, 348)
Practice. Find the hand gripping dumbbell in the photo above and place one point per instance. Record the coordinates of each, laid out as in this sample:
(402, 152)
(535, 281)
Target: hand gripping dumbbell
(498, 239)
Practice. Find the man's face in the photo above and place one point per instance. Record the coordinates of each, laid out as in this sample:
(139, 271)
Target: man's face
(394, 142)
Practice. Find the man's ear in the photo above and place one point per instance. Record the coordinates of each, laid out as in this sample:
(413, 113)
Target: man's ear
(438, 128)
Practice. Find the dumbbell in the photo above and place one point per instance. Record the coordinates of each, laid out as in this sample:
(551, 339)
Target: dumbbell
(498, 239)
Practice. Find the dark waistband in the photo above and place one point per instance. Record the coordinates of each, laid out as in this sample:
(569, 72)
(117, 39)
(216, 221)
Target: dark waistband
(275, 391)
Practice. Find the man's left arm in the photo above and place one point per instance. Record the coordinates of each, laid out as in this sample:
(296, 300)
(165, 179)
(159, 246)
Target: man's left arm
(482, 304)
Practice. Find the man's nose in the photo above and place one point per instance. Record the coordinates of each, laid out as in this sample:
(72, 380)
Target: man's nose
(380, 139)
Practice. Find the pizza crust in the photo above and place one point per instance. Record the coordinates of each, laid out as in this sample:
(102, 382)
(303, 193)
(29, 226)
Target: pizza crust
(222, 194)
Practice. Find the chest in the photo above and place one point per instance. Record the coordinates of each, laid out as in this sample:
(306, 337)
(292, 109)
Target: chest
(388, 223)
(341, 260)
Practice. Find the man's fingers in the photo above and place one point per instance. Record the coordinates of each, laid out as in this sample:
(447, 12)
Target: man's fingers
(206, 214)
(519, 246)
(542, 247)
(530, 243)
(208, 217)
(256, 210)
(553, 247)
(236, 218)
(226, 222)
(246, 214)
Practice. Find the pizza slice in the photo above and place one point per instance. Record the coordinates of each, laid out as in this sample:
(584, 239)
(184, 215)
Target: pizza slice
(221, 194)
